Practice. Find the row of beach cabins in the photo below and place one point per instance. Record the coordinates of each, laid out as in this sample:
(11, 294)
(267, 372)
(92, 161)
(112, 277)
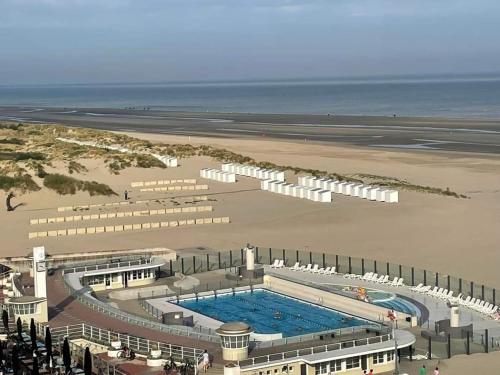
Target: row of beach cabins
(352, 189)
(308, 187)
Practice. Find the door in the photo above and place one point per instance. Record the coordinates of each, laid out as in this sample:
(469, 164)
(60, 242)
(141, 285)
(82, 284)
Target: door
(125, 279)
(364, 364)
(303, 369)
(107, 280)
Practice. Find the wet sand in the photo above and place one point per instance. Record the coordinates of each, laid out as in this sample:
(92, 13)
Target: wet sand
(405, 133)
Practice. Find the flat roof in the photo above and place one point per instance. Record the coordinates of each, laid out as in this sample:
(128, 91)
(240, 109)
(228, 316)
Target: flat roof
(155, 262)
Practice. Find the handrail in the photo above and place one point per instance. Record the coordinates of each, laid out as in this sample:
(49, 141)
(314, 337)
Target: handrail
(112, 265)
(105, 337)
(315, 349)
(83, 296)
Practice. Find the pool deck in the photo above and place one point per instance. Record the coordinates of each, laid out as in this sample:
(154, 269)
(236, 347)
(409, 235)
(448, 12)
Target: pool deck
(438, 308)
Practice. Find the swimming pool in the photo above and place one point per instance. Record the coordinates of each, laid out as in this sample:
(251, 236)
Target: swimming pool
(269, 312)
(377, 297)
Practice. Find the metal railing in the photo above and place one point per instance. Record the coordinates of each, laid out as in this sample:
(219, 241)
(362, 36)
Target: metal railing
(110, 265)
(105, 337)
(315, 349)
(83, 296)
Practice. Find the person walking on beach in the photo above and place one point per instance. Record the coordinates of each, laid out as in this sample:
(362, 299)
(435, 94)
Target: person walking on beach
(125, 194)
(422, 371)
(206, 361)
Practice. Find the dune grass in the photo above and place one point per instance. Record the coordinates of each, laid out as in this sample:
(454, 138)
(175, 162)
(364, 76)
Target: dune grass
(65, 185)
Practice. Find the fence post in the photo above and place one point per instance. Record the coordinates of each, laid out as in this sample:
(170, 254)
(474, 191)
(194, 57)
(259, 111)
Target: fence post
(449, 345)
(448, 281)
(387, 268)
(350, 265)
(425, 277)
(324, 260)
(429, 348)
(182, 266)
(242, 258)
(194, 263)
(362, 266)
(297, 255)
(337, 263)
(310, 257)
(486, 339)
(375, 266)
(284, 257)
(208, 262)
(270, 256)
(437, 279)
(482, 292)
(218, 254)
(471, 289)
(171, 268)
(413, 276)
(230, 258)
(460, 285)
(257, 254)
(400, 271)
(467, 343)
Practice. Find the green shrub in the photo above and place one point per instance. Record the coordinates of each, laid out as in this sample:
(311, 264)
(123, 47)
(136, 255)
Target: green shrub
(24, 182)
(68, 185)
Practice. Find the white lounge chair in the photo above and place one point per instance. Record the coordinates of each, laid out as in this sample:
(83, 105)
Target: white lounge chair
(385, 280)
(448, 296)
(308, 268)
(433, 291)
(381, 279)
(465, 302)
(367, 276)
(315, 269)
(417, 288)
(443, 293)
(275, 264)
(494, 311)
(281, 263)
(324, 271)
(472, 302)
(295, 267)
(332, 271)
(394, 281)
(374, 277)
(456, 299)
(487, 308)
(400, 282)
(425, 289)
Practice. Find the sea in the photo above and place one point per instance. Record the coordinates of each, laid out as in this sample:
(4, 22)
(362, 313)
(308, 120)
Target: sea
(446, 96)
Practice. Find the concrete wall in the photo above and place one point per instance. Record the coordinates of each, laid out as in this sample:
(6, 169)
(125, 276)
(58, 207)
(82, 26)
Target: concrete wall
(331, 300)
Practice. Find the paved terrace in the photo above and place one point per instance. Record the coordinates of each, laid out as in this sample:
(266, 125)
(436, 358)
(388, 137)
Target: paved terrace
(438, 308)
(64, 310)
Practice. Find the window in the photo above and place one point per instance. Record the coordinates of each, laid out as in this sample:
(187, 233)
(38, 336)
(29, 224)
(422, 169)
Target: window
(378, 358)
(352, 362)
(321, 368)
(336, 366)
(390, 356)
(24, 309)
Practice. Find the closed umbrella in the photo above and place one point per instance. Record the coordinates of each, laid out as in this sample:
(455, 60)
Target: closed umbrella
(15, 360)
(35, 366)
(5, 320)
(19, 325)
(48, 346)
(87, 362)
(66, 355)
(34, 346)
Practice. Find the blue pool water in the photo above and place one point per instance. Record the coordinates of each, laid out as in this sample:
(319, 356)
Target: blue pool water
(269, 312)
(399, 304)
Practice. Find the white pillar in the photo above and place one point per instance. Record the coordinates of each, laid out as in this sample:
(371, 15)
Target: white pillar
(250, 255)
(454, 316)
(40, 272)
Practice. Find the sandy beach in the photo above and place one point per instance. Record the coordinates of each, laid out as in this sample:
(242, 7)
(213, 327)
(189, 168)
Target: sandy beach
(453, 236)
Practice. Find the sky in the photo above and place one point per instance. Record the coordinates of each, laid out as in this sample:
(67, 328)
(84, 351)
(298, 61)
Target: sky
(108, 41)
